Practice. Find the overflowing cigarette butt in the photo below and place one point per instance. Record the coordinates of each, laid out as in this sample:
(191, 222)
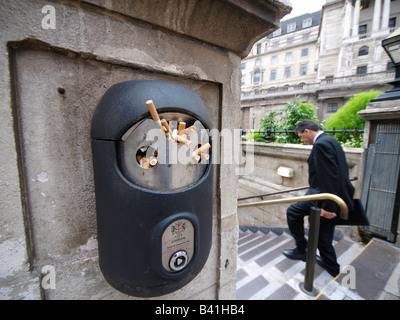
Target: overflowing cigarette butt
(200, 150)
(183, 140)
(165, 124)
(180, 135)
(146, 163)
(153, 161)
(153, 111)
(205, 156)
(181, 127)
(188, 131)
(143, 160)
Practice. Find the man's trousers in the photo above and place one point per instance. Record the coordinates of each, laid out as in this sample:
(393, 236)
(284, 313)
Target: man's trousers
(295, 218)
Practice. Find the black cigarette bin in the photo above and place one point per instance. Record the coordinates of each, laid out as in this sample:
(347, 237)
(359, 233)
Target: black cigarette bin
(154, 223)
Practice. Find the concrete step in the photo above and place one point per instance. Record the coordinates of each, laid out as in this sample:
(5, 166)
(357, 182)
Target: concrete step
(265, 273)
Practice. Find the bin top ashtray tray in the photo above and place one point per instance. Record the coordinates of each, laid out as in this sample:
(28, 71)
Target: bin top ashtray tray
(146, 155)
(151, 161)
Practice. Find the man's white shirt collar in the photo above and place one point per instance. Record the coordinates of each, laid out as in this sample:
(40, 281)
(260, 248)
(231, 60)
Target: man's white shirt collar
(318, 134)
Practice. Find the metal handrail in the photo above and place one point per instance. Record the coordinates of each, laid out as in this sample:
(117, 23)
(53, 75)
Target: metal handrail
(284, 191)
(344, 210)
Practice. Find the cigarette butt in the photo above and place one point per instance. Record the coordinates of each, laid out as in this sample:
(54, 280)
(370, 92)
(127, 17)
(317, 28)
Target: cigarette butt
(153, 161)
(164, 129)
(205, 156)
(181, 127)
(166, 125)
(138, 158)
(143, 149)
(188, 131)
(168, 135)
(174, 134)
(153, 111)
(197, 158)
(201, 149)
(145, 163)
(183, 140)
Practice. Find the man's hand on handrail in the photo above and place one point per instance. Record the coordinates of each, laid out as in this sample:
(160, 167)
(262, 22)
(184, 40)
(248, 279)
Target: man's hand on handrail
(327, 214)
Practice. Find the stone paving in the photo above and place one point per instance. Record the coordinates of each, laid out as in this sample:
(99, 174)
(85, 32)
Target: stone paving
(368, 272)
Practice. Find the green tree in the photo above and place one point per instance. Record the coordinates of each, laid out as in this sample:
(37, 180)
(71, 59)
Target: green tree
(295, 112)
(347, 117)
(270, 122)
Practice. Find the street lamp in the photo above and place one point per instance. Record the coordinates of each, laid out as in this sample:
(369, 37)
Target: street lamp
(392, 47)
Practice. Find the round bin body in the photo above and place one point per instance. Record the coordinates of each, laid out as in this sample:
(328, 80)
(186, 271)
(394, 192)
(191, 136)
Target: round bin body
(154, 224)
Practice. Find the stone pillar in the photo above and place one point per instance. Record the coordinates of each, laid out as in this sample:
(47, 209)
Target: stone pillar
(356, 18)
(385, 15)
(59, 58)
(347, 19)
(377, 16)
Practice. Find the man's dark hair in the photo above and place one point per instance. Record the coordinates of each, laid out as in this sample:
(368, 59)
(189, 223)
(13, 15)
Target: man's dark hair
(307, 124)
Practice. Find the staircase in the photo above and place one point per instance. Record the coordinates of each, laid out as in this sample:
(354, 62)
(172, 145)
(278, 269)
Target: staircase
(368, 272)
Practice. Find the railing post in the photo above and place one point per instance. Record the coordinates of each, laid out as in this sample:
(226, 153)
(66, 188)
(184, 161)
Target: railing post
(269, 135)
(313, 235)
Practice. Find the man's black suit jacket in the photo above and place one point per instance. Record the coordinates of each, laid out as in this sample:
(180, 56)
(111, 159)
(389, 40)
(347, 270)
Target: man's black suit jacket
(328, 173)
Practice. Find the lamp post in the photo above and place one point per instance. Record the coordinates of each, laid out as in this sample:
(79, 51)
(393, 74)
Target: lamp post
(392, 47)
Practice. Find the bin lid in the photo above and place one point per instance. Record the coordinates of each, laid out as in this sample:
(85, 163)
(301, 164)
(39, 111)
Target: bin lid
(124, 104)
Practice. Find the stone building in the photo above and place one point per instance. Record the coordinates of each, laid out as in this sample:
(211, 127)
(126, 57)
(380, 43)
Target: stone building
(325, 57)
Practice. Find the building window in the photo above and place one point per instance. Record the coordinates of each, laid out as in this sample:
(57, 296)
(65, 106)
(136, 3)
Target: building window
(361, 70)
(259, 48)
(243, 80)
(303, 69)
(258, 62)
(288, 72)
(274, 59)
(243, 66)
(363, 51)
(390, 67)
(362, 31)
(332, 107)
(329, 79)
(289, 56)
(304, 52)
(364, 4)
(392, 24)
(257, 77)
(273, 75)
(291, 27)
(277, 32)
(307, 23)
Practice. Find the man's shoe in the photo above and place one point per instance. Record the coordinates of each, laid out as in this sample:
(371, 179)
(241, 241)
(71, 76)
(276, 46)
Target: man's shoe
(295, 254)
(333, 271)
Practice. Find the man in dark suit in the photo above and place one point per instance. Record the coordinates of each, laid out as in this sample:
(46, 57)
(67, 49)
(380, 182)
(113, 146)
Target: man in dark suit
(327, 173)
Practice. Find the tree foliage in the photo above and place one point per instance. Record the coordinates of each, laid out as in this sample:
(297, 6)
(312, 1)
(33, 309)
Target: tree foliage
(293, 113)
(347, 117)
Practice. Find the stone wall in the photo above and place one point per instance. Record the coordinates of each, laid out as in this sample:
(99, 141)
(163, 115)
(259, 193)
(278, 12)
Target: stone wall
(58, 59)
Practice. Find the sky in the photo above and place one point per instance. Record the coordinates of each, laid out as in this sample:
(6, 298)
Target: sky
(304, 6)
